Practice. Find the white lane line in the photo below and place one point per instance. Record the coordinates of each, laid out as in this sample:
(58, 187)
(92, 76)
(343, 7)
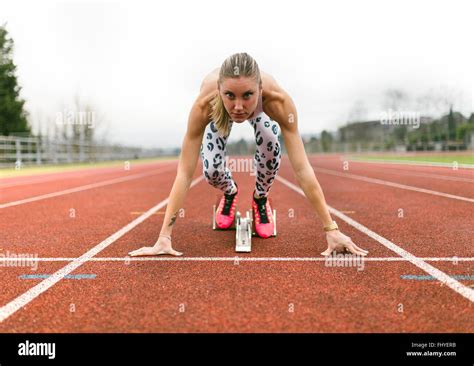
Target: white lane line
(458, 287)
(428, 175)
(69, 174)
(432, 176)
(28, 296)
(416, 173)
(82, 188)
(392, 184)
(232, 259)
(411, 162)
(410, 172)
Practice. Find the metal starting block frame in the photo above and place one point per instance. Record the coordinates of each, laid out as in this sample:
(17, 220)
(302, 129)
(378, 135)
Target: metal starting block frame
(243, 233)
(244, 230)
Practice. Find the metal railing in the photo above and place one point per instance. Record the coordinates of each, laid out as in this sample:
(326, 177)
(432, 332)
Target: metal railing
(26, 151)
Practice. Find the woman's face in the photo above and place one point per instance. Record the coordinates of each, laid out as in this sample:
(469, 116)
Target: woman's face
(240, 96)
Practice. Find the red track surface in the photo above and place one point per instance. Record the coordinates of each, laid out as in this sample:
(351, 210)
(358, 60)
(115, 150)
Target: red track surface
(239, 296)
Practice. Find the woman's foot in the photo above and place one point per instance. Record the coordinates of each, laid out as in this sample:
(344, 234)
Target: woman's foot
(263, 216)
(225, 213)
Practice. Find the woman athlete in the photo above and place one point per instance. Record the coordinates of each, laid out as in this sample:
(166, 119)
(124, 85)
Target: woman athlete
(235, 93)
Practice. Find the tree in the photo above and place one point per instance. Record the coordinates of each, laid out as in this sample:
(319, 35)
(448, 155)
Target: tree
(400, 133)
(451, 125)
(13, 117)
(463, 131)
(326, 140)
(437, 102)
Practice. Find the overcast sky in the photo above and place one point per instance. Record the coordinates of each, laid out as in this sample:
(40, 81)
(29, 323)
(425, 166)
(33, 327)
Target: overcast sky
(140, 64)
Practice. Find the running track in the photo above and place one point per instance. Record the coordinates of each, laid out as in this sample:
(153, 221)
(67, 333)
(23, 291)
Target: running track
(85, 222)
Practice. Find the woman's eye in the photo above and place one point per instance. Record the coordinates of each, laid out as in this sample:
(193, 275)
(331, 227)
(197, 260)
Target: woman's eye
(245, 95)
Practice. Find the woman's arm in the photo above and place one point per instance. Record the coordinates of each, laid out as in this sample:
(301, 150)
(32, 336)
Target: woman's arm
(186, 166)
(197, 121)
(282, 109)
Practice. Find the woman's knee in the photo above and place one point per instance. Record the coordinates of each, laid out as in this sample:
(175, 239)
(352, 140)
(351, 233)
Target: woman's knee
(267, 136)
(268, 156)
(213, 167)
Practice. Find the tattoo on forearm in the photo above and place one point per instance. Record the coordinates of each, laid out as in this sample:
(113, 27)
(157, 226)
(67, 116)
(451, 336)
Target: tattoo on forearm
(173, 219)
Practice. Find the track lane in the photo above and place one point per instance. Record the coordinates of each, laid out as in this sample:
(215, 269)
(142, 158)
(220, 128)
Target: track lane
(65, 181)
(245, 296)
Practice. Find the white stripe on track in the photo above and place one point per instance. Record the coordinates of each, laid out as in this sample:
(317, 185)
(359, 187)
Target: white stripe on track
(431, 176)
(232, 259)
(81, 188)
(67, 174)
(411, 162)
(412, 173)
(392, 184)
(458, 287)
(25, 298)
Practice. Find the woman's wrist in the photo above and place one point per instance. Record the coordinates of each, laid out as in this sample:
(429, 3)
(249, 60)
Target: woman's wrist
(327, 219)
(332, 226)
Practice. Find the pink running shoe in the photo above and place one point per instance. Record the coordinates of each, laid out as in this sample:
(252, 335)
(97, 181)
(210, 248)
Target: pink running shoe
(263, 216)
(225, 212)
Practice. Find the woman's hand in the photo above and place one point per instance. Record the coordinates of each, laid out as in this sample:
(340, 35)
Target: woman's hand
(339, 242)
(162, 246)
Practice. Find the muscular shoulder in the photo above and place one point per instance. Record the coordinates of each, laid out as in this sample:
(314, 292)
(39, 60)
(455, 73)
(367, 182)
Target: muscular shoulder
(274, 97)
(279, 106)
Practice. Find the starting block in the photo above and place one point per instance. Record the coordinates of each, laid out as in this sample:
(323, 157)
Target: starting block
(243, 233)
(244, 229)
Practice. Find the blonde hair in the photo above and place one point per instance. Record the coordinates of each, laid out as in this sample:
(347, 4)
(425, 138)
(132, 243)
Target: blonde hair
(239, 64)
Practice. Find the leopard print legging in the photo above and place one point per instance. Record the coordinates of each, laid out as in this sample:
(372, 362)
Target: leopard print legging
(266, 160)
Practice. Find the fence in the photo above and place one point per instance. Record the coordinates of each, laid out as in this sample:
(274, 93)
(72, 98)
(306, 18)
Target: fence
(24, 151)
